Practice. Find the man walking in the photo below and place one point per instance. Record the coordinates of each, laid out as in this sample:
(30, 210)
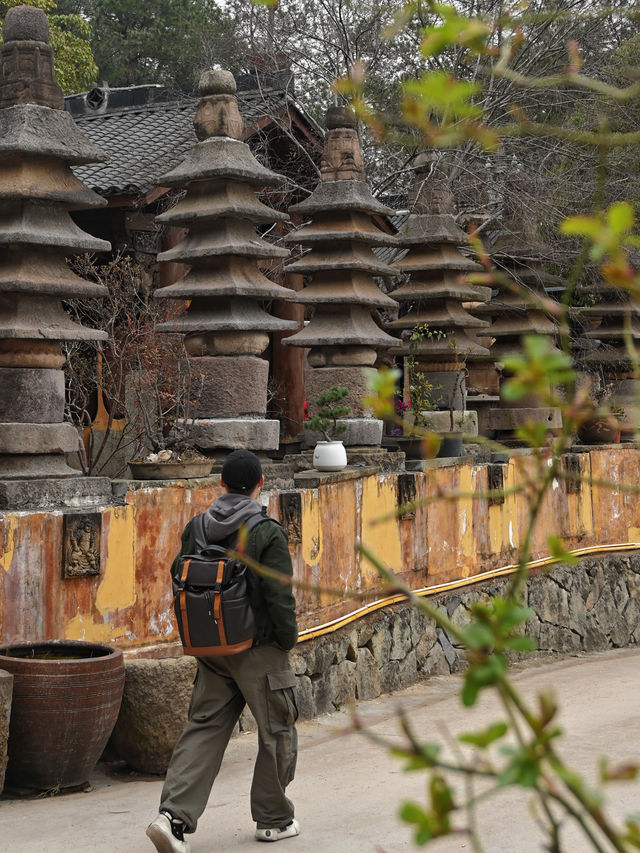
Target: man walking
(261, 677)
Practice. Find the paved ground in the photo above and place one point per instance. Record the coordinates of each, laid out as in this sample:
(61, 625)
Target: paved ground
(347, 790)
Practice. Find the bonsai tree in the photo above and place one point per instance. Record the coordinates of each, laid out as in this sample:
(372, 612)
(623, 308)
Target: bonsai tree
(329, 410)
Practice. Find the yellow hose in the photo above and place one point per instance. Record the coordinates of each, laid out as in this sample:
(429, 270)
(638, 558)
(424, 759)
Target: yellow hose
(329, 627)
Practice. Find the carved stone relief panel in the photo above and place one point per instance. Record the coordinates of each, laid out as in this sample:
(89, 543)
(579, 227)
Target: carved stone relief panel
(81, 545)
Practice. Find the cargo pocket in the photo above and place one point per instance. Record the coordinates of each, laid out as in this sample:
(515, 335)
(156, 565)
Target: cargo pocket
(282, 709)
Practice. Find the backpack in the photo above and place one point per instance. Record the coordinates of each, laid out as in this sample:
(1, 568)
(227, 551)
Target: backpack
(211, 598)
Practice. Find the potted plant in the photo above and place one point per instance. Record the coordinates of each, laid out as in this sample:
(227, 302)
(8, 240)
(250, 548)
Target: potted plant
(329, 455)
(165, 404)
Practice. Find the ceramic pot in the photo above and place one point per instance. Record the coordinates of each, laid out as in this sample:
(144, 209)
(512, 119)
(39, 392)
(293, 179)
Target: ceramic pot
(169, 470)
(451, 445)
(329, 456)
(604, 430)
(410, 446)
(66, 698)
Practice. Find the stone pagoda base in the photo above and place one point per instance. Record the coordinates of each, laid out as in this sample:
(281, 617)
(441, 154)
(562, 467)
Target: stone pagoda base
(360, 432)
(45, 493)
(505, 421)
(465, 422)
(210, 434)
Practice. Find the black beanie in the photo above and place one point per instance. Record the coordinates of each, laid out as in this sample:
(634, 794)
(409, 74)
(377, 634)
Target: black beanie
(241, 471)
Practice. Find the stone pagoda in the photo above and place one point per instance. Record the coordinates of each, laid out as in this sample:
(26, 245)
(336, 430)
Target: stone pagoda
(517, 309)
(226, 327)
(339, 229)
(434, 297)
(39, 142)
(609, 324)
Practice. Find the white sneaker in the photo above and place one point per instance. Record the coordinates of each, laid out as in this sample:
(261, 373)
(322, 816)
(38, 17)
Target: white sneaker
(275, 834)
(164, 839)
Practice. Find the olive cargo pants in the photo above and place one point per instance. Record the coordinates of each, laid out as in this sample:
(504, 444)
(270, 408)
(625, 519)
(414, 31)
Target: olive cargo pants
(263, 678)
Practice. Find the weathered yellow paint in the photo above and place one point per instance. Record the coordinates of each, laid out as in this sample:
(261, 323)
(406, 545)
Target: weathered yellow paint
(117, 588)
(7, 540)
(130, 602)
(468, 482)
(82, 628)
(311, 535)
(379, 501)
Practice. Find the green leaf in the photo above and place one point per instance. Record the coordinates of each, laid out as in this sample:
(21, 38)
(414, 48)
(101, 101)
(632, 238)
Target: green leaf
(412, 813)
(520, 644)
(620, 217)
(478, 636)
(484, 738)
(558, 551)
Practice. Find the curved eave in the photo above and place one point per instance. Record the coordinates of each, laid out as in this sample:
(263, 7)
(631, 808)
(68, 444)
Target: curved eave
(60, 289)
(187, 325)
(372, 267)
(187, 254)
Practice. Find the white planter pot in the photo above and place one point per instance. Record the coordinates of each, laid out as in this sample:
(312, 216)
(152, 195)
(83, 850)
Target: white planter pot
(329, 456)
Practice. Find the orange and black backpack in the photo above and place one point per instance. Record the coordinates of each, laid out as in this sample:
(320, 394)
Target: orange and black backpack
(211, 596)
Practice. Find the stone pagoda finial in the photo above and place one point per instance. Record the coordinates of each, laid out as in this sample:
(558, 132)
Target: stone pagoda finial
(38, 144)
(433, 300)
(26, 58)
(342, 336)
(225, 326)
(516, 310)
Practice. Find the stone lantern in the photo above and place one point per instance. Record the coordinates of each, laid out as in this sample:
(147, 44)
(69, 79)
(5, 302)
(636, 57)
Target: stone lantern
(339, 229)
(39, 142)
(225, 325)
(517, 309)
(433, 300)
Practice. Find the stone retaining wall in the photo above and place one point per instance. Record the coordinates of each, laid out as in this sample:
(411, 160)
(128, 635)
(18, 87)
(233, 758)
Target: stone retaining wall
(589, 607)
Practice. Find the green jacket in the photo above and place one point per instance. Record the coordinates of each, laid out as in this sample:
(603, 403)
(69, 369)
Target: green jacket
(273, 602)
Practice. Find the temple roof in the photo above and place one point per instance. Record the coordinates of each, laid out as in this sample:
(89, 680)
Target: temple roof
(147, 134)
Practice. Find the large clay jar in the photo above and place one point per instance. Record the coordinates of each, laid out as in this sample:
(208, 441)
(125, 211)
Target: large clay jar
(66, 698)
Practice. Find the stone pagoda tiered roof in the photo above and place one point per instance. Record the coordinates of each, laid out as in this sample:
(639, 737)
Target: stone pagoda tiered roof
(39, 143)
(436, 289)
(341, 264)
(221, 210)
(518, 311)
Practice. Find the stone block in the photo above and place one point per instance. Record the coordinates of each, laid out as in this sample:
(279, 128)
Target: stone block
(235, 434)
(320, 379)
(47, 493)
(304, 698)
(466, 422)
(324, 687)
(304, 660)
(154, 711)
(325, 654)
(345, 684)
(232, 386)
(423, 647)
(380, 645)
(447, 648)
(367, 675)
(400, 637)
(436, 662)
(6, 692)
(31, 395)
(35, 438)
(360, 432)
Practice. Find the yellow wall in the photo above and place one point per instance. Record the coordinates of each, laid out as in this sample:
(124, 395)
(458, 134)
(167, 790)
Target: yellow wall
(129, 602)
